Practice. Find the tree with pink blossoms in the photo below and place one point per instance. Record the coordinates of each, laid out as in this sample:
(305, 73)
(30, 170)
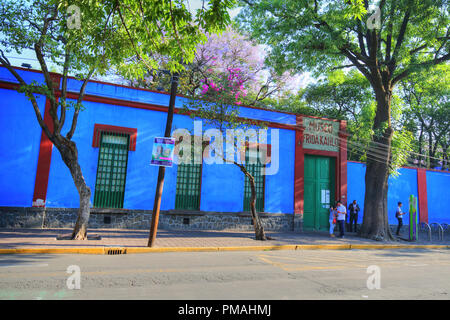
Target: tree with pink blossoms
(220, 53)
(216, 104)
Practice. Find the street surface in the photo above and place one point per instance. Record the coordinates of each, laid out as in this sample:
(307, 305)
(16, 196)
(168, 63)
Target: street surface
(307, 274)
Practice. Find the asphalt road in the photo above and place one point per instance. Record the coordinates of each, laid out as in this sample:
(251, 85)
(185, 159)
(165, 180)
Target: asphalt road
(309, 274)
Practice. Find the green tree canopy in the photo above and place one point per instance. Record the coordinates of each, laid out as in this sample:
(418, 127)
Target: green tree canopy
(166, 30)
(411, 36)
(428, 114)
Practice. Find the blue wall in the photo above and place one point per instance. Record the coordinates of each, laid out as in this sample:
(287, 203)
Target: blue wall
(19, 148)
(225, 196)
(279, 195)
(438, 196)
(222, 185)
(141, 176)
(356, 185)
(130, 94)
(19, 141)
(27, 76)
(399, 188)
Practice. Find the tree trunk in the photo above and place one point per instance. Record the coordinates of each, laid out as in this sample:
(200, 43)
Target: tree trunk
(444, 156)
(69, 154)
(259, 229)
(375, 221)
(430, 148)
(420, 146)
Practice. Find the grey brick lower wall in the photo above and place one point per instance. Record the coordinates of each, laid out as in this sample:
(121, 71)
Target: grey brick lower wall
(28, 217)
(20, 217)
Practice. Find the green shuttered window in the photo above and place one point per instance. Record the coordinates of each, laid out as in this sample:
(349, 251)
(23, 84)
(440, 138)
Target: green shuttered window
(111, 170)
(255, 170)
(188, 187)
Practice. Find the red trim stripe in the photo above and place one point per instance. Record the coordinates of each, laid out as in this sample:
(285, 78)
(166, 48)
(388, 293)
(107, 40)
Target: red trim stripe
(407, 167)
(44, 161)
(422, 193)
(342, 161)
(150, 90)
(98, 128)
(45, 152)
(167, 93)
(153, 107)
(320, 152)
(148, 106)
(299, 168)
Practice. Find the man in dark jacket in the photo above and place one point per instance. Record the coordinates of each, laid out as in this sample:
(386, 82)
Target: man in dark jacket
(353, 208)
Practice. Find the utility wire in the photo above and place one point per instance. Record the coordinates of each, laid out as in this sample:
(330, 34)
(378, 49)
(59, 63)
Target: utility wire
(373, 153)
(411, 152)
(371, 156)
(380, 149)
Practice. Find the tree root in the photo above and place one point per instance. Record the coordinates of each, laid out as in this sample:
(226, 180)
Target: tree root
(80, 235)
(379, 236)
(264, 238)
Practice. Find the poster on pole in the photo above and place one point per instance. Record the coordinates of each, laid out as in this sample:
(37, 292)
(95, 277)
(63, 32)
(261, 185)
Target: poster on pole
(162, 153)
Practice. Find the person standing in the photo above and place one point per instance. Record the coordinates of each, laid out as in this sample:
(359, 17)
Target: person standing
(341, 213)
(332, 220)
(353, 209)
(399, 215)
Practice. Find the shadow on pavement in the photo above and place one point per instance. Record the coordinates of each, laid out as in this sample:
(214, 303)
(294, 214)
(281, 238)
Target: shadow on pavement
(11, 260)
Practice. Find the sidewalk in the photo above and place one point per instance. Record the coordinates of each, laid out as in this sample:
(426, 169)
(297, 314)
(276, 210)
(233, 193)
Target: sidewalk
(44, 241)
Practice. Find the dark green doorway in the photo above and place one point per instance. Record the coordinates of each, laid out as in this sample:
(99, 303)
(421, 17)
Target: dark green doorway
(111, 170)
(319, 191)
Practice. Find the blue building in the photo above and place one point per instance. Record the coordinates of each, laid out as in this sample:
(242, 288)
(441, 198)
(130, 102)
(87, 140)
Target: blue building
(115, 135)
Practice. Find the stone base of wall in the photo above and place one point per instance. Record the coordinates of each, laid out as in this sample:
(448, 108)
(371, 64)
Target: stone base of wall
(298, 222)
(20, 217)
(29, 217)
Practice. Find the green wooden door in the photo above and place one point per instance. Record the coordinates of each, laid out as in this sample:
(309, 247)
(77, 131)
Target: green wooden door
(111, 170)
(319, 189)
(189, 177)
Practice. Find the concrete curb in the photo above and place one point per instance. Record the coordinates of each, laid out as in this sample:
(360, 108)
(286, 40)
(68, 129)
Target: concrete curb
(127, 250)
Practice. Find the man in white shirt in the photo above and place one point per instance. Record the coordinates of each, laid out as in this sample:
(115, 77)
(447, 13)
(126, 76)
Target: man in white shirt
(341, 212)
(399, 215)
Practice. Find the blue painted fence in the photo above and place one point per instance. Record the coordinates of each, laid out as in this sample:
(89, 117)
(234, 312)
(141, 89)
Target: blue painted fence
(400, 188)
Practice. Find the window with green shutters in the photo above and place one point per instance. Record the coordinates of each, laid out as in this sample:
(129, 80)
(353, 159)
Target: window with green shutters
(189, 178)
(111, 170)
(255, 169)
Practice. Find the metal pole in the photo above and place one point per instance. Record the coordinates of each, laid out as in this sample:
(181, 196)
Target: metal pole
(162, 169)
